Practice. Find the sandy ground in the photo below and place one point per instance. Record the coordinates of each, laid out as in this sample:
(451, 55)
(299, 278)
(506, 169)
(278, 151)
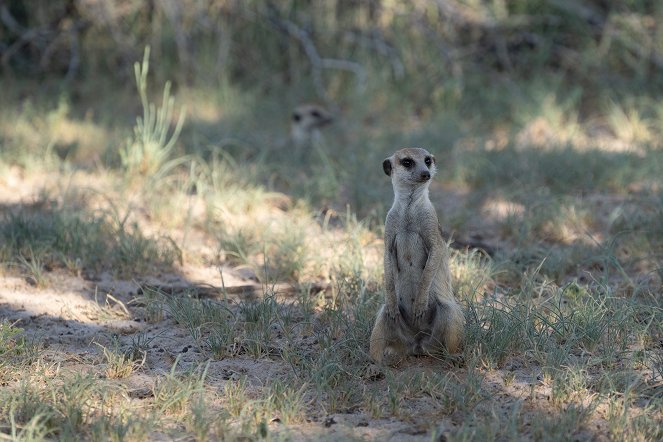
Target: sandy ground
(73, 315)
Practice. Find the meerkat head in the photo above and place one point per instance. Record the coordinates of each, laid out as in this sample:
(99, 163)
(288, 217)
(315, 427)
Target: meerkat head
(306, 120)
(410, 168)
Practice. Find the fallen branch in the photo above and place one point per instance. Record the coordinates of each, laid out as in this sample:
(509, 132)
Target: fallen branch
(248, 292)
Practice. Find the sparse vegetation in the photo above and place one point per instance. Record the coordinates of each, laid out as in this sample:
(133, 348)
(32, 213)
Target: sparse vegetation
(147, 153)
(59, 235)
(170, 280)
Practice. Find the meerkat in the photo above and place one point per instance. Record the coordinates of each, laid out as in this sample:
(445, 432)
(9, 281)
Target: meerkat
(420, 315)
(304, 146)
(309, 147)
(306, 122)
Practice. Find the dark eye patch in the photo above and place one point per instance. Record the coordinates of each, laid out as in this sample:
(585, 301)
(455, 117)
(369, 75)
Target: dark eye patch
(428, 161)
(296, 117)
(316, 114)
(407, 162)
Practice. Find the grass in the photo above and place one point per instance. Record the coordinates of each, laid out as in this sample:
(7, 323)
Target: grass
(62, 235)
(122, 364)
(579, 338)
(147, 153)
(560, 332)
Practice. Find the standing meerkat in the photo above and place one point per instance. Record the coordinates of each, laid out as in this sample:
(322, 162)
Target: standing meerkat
(420, 314)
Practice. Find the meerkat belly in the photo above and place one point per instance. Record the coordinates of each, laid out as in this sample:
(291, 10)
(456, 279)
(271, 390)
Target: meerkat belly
(411, 260)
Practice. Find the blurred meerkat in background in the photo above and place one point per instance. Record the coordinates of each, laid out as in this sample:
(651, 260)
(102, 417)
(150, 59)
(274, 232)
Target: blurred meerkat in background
(305, 124)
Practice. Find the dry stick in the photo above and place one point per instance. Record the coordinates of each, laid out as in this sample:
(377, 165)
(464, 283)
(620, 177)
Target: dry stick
(25, 38)
(74, 59)
(173, 12)
(317, 62)
(382, 47)
(8, 20)
(247, 291)
(46, 40)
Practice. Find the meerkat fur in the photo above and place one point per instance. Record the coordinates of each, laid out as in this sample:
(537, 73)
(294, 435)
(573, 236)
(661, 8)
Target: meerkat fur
(420, 315)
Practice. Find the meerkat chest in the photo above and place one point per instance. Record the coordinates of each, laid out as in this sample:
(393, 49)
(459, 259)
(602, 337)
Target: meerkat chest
(411, 252)
(410, 256)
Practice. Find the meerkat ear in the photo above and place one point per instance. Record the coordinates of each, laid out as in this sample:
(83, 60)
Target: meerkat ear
(386, 166)
(433, 158)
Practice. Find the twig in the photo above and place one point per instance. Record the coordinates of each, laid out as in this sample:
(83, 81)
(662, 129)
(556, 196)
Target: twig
(318, 63)
(173, 11)
(247, 291)
(334, 63)
(46, 40)
(8, 20)
(74, 56)
(585, 12)
(382, 47)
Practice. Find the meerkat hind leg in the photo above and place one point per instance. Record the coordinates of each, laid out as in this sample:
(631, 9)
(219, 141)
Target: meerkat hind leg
(446, 330)
(386, 347)
(420, 338)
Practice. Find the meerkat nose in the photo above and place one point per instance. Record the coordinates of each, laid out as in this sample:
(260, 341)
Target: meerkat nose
(425, 175)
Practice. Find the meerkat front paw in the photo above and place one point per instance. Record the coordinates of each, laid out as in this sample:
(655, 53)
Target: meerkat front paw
(391, 357)
(420, 315)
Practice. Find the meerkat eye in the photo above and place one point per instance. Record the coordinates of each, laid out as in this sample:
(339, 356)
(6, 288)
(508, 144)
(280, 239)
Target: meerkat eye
(407, 163)
(296, 117)
(316, 114)
(428, 161)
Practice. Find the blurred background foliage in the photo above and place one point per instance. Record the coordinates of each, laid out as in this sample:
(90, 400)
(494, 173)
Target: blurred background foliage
(451, 75)
(428, 53)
